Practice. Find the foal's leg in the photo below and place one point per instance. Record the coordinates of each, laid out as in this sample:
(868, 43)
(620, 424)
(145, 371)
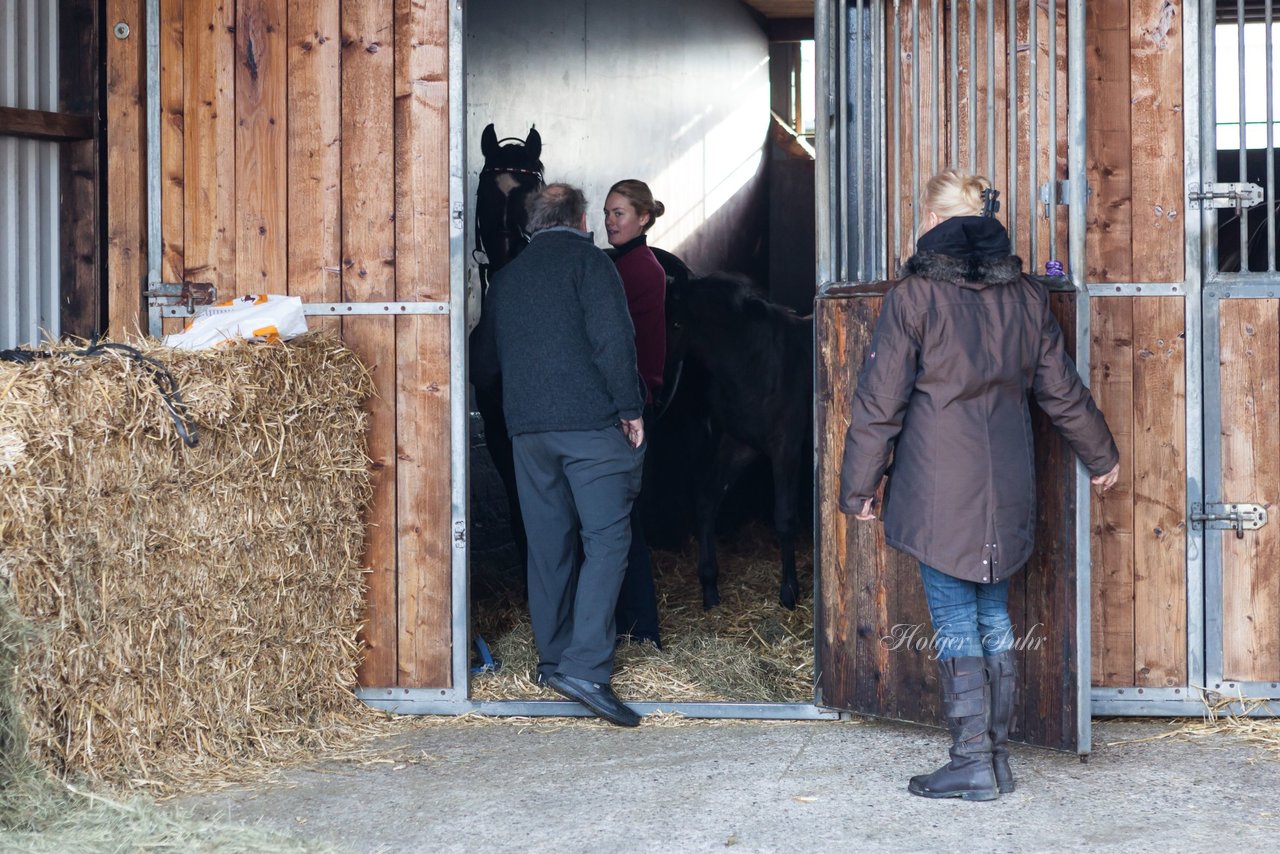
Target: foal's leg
(785, 462)
(731, 458)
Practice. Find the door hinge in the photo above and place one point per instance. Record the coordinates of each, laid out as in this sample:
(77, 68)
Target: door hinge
(458, 216)
(1237, 195)
(459, 534)
(1239, 517)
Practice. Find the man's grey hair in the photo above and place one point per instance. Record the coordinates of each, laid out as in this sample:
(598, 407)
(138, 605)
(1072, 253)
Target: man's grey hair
(556, 205)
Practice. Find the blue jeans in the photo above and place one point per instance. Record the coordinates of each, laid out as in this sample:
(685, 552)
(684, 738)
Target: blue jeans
(969, 618)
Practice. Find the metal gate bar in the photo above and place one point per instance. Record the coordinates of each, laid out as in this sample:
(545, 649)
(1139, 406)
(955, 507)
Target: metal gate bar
(1270, 198)
(991, 92)
(1011, 87)
(1243, 174)
(915, 118)
(1051, 203)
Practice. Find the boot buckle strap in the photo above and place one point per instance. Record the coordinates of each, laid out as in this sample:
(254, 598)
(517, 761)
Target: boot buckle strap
(965, 708)
(962, 683)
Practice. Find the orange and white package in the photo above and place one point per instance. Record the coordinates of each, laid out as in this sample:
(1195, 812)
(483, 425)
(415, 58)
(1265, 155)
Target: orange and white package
(252, 317)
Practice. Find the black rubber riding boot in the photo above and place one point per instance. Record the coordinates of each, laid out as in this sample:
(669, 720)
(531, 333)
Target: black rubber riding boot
(966, 703)
(1003, 670)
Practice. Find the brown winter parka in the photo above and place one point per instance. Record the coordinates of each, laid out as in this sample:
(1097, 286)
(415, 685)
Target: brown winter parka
(959, 345)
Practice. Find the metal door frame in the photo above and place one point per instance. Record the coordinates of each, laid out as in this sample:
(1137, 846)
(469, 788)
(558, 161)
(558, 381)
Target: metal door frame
(457, 700)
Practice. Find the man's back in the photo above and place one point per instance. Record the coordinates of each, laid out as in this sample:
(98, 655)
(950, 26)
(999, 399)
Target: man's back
(557, 316)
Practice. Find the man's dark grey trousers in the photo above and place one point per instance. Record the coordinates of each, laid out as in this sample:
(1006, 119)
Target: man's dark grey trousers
(571, 482)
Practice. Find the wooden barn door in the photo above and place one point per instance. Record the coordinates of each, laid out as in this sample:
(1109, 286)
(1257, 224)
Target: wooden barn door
(304, 148)
(874, 640)
(959, 88)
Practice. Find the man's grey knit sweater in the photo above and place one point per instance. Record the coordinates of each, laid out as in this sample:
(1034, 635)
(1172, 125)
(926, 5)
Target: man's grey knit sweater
(555, 328)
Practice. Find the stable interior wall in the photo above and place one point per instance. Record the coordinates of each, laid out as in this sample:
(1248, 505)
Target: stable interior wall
(672, 92)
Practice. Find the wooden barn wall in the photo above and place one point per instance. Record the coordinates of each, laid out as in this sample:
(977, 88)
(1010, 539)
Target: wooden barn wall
(305, 151)
(1138, 357)
(874, 620)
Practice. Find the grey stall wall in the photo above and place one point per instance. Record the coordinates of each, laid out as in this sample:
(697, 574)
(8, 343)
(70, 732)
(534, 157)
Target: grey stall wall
(673, 92)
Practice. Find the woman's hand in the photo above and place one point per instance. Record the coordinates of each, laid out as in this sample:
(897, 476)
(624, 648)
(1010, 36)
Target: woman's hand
(865, 515)
(1108, 480)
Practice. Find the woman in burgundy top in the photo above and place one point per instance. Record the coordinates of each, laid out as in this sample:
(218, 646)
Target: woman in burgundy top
(629, 211)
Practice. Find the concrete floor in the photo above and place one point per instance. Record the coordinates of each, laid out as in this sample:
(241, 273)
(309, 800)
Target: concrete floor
(788, 787)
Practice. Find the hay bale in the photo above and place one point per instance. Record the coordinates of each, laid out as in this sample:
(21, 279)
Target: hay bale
(192, 607)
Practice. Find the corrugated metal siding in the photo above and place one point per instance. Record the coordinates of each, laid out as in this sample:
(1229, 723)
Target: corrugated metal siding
(29, 176)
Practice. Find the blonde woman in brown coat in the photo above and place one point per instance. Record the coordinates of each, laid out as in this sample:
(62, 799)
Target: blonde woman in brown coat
(960, 343)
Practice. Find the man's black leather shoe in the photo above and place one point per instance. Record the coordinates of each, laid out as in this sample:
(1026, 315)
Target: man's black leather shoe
(596, 696)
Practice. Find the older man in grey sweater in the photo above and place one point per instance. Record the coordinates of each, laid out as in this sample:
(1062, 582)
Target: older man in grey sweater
(557, 330)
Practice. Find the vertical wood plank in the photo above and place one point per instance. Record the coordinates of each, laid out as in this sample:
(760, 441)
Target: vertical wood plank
(1109, 150)
(1160, 512)
(126, 171)
(423, 447)
(209, 143)
(79, 219)
(261, 81)
(1111, 380)
(1250, 411)
(172, 91)
(368, 264)
(836, 573)
(901, 204)
(1155, 31)
(1017, 210)
(1045, 590)
(424, 502)
(998, 90)
(314, 131)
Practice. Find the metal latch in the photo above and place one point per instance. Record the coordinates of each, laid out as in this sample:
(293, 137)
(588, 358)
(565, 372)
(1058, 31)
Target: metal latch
(1240, 517)
(1238, 195)
(1058, 193)
(188, 294)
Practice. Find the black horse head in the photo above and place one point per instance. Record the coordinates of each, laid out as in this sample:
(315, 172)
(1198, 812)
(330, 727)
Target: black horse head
(512, 170)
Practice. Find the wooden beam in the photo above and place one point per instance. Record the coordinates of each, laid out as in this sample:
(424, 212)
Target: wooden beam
(424, 586)
(209, 142)
(314, 130)
(261, 146)
(39, 124)
(126, 170)
(369, 275)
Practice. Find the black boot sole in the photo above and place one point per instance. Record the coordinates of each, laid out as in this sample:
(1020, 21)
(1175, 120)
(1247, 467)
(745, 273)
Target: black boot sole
(966, 795)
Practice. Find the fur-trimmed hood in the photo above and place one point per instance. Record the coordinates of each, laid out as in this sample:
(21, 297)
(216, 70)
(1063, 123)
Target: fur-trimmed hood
(974, 273)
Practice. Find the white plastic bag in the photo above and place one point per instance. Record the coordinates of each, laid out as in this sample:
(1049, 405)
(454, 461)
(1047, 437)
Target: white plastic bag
(253, 317)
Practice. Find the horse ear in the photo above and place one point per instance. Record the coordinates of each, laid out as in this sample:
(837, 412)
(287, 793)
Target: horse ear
(489, 142)
(533, 143)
